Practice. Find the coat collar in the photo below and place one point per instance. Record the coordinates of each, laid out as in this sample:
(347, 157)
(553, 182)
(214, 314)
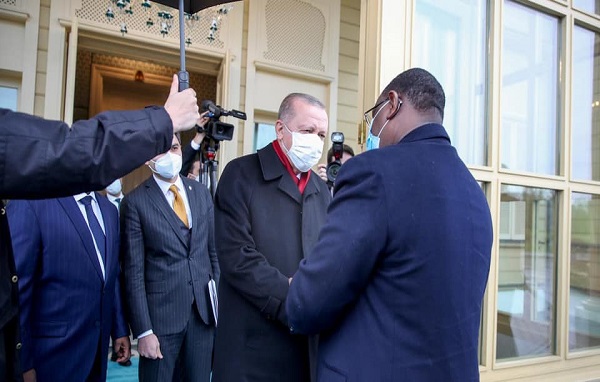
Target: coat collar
(272, 168)
(427, 131)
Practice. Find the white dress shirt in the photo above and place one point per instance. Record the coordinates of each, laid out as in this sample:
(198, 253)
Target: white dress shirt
(98, 213)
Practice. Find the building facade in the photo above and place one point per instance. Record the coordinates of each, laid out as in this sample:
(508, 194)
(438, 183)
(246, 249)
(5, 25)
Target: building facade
(522, 82)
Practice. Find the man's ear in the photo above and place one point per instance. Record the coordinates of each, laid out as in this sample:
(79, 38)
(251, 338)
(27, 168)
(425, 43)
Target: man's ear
(395, 102)
(279, 129)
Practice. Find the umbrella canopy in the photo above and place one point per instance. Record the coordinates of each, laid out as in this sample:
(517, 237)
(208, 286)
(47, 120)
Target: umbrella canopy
(192, 6)
(188, 6)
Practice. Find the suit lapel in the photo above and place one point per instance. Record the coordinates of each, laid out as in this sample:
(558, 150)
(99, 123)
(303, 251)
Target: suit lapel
(156, 196)
(287, 186)
(74, 213)
(192, 200)
(311, 186)
(194, 203)
(272, 168)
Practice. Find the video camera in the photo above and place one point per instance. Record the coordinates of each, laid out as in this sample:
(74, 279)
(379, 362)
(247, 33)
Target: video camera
(215, 129)
(337, 148)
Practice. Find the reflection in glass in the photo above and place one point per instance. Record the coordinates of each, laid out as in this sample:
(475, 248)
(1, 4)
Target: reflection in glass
(591, 6)
(264, 133)
(451, 44)
(8, 98)
(584, 292)
(527, 272)
(585, 141)
(530, 100)
(484, 187)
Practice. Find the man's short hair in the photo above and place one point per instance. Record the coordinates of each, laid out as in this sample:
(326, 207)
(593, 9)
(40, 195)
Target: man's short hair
(421, 89)
(347, 149)
(286, 109)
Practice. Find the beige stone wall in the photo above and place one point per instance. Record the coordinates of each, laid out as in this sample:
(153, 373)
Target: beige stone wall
(42, 59)
(349, 116)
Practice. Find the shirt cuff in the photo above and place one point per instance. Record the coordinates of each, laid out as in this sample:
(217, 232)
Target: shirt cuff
(195, 146)
(145, 334)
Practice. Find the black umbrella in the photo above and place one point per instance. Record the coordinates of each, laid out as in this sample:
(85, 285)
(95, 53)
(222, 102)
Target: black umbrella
(187, 6)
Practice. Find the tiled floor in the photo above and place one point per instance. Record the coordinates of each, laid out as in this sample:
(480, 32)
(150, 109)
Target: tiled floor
(118, 373)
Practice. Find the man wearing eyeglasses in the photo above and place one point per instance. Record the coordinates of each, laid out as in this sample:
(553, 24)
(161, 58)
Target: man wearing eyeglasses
(395, 283)
(269, 207)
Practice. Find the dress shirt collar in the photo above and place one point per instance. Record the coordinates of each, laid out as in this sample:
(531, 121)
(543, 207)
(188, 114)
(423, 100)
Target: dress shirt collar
(164, 186)
(78, 197)
(112, 197)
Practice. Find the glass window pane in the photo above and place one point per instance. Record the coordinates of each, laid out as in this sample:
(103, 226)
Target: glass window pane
(8, 97)
(529, 90)
(527, 273)
(591, 6)
(484, 187)
(585, 140)
(584, 292)
(451, 44)
(264, 133)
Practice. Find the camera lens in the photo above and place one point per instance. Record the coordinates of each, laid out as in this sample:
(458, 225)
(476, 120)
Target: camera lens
(332, 170)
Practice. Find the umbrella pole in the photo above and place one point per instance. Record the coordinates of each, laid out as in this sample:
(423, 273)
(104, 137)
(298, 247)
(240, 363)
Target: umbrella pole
(184, 77)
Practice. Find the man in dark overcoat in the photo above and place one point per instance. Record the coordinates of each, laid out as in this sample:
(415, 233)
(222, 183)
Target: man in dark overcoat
(269, 208)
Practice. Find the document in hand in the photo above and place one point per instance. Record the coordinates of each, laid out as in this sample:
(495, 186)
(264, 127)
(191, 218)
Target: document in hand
(214, 301)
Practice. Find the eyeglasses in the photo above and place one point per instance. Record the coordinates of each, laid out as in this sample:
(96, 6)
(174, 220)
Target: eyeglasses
(369, 113)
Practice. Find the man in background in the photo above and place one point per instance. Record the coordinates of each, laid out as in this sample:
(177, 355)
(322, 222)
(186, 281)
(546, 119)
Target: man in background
(114, 193)
(45, 159)
(169, 263)
(394, 285)
(191, 166)
(269, 207)
(347, 153)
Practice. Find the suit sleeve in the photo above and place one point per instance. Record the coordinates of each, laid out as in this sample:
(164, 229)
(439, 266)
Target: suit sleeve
(119, 326)
(212, 249)
(27, 246)
(349, 246)
(188, 156)
(132, 249)
(242, 265)
(45, 159)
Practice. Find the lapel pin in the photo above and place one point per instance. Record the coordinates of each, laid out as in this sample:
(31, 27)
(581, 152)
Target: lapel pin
(190, 188)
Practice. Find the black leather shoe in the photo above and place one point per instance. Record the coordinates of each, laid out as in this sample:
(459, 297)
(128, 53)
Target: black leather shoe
(126, 363)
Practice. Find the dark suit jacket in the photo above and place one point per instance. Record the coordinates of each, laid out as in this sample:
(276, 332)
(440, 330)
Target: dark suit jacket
(67, 307)
(43, 159)
(264, 227)
(395, 283)
(164, 273)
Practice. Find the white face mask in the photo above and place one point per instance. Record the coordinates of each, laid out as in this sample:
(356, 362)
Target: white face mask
(114, 188)
(306, 150)
(167, 166)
